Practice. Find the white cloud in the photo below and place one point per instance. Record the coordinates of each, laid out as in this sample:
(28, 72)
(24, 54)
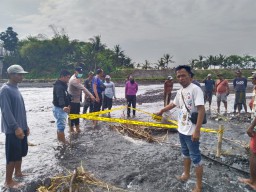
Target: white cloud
(145, 29)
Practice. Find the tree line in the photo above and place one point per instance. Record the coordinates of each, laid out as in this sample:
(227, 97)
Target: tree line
(44, 57)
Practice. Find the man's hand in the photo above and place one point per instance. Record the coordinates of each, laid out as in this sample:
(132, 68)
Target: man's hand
(97, 99)
(19, 133)
(92, 98)
(250, 132)
(66, 109)
(28, 131)
(196, 136)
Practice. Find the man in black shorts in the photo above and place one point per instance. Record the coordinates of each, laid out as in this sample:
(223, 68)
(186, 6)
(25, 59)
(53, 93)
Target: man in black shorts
(14, 125)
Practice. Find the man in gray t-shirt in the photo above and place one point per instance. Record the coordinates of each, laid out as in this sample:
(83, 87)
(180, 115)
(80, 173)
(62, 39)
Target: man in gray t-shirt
(14, 125)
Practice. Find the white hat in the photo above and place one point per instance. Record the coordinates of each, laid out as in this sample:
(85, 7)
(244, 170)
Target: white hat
(15, 69)
(107, 77)
(209, 75)
(169, 77)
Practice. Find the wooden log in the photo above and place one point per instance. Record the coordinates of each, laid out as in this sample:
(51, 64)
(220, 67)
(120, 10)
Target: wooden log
(220, 134)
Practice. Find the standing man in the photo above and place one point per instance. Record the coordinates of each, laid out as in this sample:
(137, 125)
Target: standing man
(98, 88)
(222, 91)
(209, 89)
(168, 86)
(109, 93)
(189, 98)
(75, 89)
(87, 100)
(240, 84)
(14, 125)
(251, 131)
(131, 89)
(61, 103)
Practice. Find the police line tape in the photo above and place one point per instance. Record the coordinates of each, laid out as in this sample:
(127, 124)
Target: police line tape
(95, 116)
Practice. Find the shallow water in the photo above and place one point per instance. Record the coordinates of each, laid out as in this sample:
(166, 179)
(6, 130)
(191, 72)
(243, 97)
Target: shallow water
(42, 160)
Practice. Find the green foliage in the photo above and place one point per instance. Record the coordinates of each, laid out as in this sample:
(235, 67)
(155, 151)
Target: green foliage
(10, 39)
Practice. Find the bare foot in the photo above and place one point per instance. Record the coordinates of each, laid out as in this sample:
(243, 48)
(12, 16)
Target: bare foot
(183, 177)
(248, 182)
(197, 189)
(13, 185)
(20, 174)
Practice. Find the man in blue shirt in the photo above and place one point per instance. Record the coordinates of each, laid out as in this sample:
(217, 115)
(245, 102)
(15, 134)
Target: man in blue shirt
(14, 125)
(240, 84)
(209, 89)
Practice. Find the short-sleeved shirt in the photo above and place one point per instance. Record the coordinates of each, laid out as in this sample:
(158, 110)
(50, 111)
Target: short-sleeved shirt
(221, 86)
(96, 80)
(193, 97)
(209, 85)
(240, 83)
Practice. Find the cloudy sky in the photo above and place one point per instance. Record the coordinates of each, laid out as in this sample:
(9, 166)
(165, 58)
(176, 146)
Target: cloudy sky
(145, 29)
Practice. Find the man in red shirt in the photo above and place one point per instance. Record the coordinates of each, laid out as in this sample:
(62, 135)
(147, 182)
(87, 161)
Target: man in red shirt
(222, 91)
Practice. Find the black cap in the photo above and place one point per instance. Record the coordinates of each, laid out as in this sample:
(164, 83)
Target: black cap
(79, 69)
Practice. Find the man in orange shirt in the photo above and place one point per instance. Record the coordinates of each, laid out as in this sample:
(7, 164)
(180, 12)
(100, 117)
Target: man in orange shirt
(222, 91)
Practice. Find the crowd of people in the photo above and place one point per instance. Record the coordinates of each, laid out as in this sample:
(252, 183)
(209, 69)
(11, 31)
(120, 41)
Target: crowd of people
(99, 92)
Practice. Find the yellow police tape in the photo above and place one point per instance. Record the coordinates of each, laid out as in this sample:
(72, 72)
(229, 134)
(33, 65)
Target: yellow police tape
(94, 116)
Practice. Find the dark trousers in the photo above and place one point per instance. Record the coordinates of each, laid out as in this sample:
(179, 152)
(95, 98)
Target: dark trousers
(74, 109)
(131, 100)
(107, 102)
(88, 105)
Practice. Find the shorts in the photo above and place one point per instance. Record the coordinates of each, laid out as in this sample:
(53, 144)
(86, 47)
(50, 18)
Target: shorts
(221, 97)
(97, 105)
(61, 118)
(190, 149)
(15, 148)
(253, 144)
(240, 97)
(208, 96)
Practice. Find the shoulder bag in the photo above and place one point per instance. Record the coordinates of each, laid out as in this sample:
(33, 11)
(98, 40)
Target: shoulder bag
(194, 115)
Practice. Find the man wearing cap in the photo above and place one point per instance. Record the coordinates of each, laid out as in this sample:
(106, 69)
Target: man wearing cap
(75, 89)
(108, 94)
(87, 100)
(222, 91)
(14, 125)
(61, 103)
(208, 89)
(168, 86)
(251, 131)
(240, 84)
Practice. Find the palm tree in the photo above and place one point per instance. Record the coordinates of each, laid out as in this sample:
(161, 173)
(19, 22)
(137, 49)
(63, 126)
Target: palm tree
(118, 54)
(146, 65)
(97, 46)
(167, 59)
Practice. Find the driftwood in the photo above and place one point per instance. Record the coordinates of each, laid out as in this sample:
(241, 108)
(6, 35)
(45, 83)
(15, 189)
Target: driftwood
(79, 180)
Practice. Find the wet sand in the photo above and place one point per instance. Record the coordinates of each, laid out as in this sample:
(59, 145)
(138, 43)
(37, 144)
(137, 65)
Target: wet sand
(134, 165)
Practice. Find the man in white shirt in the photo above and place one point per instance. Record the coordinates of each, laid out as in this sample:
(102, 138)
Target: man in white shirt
(108, 94)
(189, 99)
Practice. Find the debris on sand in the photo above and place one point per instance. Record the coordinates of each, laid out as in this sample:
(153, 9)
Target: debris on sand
(79, 180)
(138, 132)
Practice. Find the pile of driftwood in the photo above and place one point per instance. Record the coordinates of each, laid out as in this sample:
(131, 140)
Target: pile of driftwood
(78, 181)
(137, 132)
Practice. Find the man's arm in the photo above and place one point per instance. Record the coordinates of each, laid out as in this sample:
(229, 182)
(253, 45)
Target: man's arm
(250, 131)
(167, 108)
(200, 118)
